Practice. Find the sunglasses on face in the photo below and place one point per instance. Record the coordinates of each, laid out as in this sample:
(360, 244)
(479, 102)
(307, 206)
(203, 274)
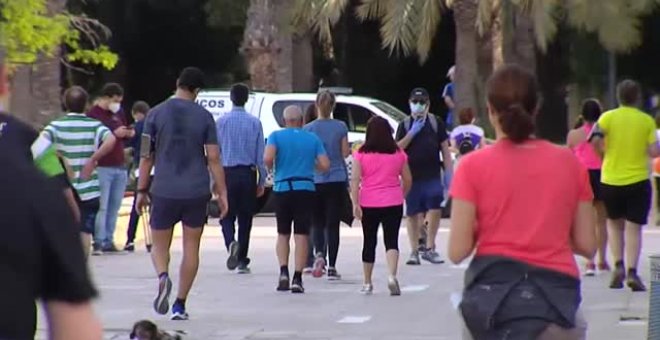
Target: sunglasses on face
(418, 101)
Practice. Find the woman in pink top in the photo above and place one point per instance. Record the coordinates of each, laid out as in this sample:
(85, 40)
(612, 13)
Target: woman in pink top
(524, 218)
(577, 140)
(380, 181)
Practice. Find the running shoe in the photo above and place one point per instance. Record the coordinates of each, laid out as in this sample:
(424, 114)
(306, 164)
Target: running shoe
(232, 260)
(618, 276)
(635, 283)
(393, 285)
(414, 259)
(161, 303)
(179, 312)
(333, 275)
(297, 286)
(590, 269)
(432, 256)
(604, 267)
(367, 289)
(111, 249)
(130, 247)
(244, 269)
(283, 283)
(319, 266)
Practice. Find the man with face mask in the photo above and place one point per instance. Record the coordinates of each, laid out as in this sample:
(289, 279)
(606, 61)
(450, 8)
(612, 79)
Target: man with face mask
(111, 168)
(424, 137)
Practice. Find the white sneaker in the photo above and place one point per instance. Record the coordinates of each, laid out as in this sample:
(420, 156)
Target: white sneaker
(367, 289)
(393, 285)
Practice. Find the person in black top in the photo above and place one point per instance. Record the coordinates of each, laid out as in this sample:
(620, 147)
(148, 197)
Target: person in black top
(41, 256)
(424, 137)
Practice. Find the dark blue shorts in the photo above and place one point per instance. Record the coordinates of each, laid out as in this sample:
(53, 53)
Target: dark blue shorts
(166, 212)
(424, 195)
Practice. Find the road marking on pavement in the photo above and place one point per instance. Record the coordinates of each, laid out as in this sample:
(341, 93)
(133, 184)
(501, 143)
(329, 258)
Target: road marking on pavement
(355, 319)
(455, 298)
(415, 288)
(462, 265)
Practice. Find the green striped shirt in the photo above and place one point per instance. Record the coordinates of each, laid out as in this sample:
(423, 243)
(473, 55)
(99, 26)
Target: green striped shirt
(77, 137)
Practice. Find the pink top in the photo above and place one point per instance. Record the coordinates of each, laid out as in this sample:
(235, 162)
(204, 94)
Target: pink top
(585, 152)
(380, 185)
(526, 202)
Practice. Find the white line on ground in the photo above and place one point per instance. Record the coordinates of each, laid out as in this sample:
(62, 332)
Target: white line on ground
(415, 288)
(354, 319)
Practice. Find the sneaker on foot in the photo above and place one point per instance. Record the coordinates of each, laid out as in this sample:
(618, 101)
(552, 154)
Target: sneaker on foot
(635, 283)
(161, 303)
(130, 246)
(111, 248)
(590, 269)
(283, 283)
(297, 286)
(414, 259)
(432, 256)
(179, 312)
(393, 285)
(244, 269)
(618, 276)
(367, 289)
(232, 260)
(604, 267)
(333, 275)
(97, 252)
(319, 266)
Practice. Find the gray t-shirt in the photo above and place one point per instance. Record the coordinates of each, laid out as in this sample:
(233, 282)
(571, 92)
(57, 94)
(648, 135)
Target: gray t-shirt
(331, 132)
(179, 129)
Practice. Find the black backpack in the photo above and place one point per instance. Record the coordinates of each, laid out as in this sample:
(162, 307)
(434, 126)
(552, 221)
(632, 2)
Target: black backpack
(466, 146)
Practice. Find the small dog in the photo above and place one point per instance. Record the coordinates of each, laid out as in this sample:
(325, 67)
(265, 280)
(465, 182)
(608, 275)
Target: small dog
(147, 330)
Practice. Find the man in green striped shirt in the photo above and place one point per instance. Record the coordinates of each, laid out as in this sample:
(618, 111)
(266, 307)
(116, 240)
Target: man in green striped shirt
(82, 141)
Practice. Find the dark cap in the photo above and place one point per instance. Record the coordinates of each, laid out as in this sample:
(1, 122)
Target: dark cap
(420, 93)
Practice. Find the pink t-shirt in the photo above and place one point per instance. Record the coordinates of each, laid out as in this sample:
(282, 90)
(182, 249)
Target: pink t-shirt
(526, 197)
(586, 153)
(381, 184)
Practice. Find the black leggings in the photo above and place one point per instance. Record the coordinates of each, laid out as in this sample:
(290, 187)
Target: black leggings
(327, 216)
(390, 218)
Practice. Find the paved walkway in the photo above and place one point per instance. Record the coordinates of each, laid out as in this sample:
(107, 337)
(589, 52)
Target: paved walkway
(225, 305)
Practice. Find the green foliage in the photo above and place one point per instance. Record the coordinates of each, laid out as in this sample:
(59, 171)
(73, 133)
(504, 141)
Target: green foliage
(227, 13)
(28, 30)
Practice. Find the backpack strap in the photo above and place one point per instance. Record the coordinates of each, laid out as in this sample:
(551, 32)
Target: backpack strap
(407, 124)
(434, 122)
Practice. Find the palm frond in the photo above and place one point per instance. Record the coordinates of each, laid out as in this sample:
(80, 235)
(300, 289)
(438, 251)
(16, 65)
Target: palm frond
(545, 24)
(372, 9)
(432, 14)
(329, 13)
(485, 10)
(399, 28)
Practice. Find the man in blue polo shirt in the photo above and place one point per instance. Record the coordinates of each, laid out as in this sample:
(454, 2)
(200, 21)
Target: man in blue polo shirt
(294, 154)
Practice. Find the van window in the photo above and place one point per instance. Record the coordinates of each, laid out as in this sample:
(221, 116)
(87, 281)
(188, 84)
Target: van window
(279, 106)
(355, 117)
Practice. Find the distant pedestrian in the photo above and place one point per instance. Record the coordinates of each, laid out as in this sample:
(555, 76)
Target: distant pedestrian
(310, 114)
(180, 139)
(380, 180)
(578, 141)
(42, 258)
(448, 96)
(82, 142)
(140, 110)
(241, 141)
(111, 168)
(294, 154)
(424, 138)
(524, 220)
(467, 136)
(626, 136)
(331, 186)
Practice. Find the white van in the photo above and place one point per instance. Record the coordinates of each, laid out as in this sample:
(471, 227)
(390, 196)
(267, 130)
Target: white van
(355, 111)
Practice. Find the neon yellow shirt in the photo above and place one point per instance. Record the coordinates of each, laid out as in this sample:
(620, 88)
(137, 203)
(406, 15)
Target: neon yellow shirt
(628, 134)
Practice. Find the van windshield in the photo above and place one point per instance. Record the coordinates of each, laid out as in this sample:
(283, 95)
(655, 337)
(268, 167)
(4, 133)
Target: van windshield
(390, 110)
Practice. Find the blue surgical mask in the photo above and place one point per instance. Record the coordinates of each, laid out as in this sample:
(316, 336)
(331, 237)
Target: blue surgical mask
(417, 108)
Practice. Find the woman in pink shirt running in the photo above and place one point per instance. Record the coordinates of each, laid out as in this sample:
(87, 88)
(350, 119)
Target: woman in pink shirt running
(585, 152)
(380, 181)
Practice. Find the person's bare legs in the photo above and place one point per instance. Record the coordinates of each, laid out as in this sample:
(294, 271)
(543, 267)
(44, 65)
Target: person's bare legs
(433, 217)
(190, 262)
(392, 263)
(616, 241)
(86, 240)
(367, 272)
(282, 249)
(601, 234)
(633, 243)
(160, 256)
(413, 224)
(301, 244)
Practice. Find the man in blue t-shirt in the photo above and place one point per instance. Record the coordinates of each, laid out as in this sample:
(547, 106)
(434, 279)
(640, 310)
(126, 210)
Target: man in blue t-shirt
(294, 154)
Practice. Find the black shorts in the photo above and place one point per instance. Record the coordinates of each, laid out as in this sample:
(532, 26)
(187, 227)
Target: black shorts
(294, 208)
(630, 202)
(166, 212)
(594, 179)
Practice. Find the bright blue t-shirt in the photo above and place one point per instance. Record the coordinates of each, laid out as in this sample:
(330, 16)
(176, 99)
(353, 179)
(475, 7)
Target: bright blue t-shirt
(295, 158)
(331, 132)
(449, 92)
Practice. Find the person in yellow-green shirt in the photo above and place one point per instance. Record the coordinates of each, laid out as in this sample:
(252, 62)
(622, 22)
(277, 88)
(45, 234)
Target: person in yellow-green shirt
(627, 139)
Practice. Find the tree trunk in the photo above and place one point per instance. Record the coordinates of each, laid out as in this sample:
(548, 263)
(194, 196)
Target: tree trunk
(261, 45)
(36, 89)
(465, 81)
(303, 58)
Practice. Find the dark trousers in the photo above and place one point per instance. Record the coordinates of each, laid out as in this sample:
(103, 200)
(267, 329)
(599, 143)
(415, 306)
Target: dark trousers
(242, 198)
(326, 219)
(390, 218)
(134, 219)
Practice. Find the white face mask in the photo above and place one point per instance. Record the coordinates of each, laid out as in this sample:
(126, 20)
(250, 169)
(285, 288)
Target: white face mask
(417, 109)
(114, 107)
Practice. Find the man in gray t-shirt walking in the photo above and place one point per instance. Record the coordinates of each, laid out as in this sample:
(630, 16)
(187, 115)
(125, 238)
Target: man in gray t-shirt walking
(180, 138)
